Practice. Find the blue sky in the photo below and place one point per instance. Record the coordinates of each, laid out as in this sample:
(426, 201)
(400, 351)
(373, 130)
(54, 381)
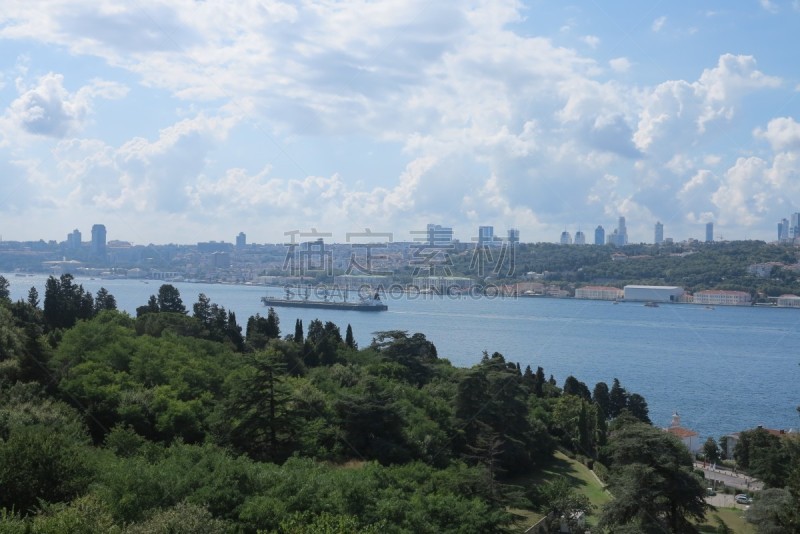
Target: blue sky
(183, 121)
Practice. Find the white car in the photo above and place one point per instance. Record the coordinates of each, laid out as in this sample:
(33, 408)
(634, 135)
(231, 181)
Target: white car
(743, 499)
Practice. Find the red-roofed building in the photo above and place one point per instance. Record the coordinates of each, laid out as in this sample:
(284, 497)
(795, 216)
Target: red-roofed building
(690, 438)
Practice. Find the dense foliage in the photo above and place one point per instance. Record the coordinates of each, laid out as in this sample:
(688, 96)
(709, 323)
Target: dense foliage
(179, 422)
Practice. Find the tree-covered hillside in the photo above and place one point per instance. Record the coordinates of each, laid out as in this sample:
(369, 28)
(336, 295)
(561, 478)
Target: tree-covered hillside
(179, 421)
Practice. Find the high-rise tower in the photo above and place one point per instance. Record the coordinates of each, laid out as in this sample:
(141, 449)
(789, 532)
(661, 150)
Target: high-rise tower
(599, 235)
(99, 241)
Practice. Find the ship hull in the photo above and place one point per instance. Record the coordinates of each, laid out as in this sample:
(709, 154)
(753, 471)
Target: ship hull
(352, 306)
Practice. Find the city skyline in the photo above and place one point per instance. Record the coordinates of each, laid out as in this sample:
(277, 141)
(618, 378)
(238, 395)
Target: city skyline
(441, 236)
(174, 121)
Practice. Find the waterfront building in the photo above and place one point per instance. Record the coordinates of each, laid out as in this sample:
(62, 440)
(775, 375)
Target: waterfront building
(653, 293)
(580, 238)
(599, 293)
(709, 232)
(788, 301)
(566, 239)
(599, 235)
(99, 241)
(659, 231)
(722, 297)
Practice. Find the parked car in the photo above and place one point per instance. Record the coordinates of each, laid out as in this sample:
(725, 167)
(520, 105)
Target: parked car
(710, 492)
(743, 499)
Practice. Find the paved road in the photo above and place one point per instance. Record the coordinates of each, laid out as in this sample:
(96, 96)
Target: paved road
(729, 478)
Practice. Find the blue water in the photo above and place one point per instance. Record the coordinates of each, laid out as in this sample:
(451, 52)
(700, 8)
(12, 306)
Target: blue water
(723, 370)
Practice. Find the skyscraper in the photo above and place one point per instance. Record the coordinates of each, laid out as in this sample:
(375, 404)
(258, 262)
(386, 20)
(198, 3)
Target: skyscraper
(513, 236)
(794, 226)
(599, 235)
(566, 239)
(74, 240)
(709, 232)
(659, 233)
(485, 235)
(99, 241)
(622, 232)
(783, 230)
(241, 240)
(580, 238)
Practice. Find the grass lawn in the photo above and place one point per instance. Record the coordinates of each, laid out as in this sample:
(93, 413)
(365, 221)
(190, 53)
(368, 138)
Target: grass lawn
(579, 477)
(732, 517)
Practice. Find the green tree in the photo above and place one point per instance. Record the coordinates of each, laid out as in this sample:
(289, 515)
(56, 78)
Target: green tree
(711, 450)
(653, 482)
(618, 398)
(771, 512)
(260, 330)
(567, 503)
(637, 406)
(764, 455)
(66, 302)
(33, 297)
(104, 301)
(573, 386)
(415, 354)
(539, 382)
(169, 299)
(201, 309)
(298, 331)
(5, 292)
(258, 410)
(150, 307)
(39, 462)
(348, 338)
(601, 397)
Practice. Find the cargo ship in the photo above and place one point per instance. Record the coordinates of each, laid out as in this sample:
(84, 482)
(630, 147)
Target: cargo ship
(369, 304)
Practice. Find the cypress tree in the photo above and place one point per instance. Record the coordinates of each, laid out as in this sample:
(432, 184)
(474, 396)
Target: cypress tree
(348, 338)
(298, 331)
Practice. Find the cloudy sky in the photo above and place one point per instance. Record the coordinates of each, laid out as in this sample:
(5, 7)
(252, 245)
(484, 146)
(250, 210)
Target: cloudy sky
(191, 120)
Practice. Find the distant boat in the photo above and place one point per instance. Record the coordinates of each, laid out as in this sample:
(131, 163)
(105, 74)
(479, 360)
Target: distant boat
(370, 304)
(651, 304)
(708, 307)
